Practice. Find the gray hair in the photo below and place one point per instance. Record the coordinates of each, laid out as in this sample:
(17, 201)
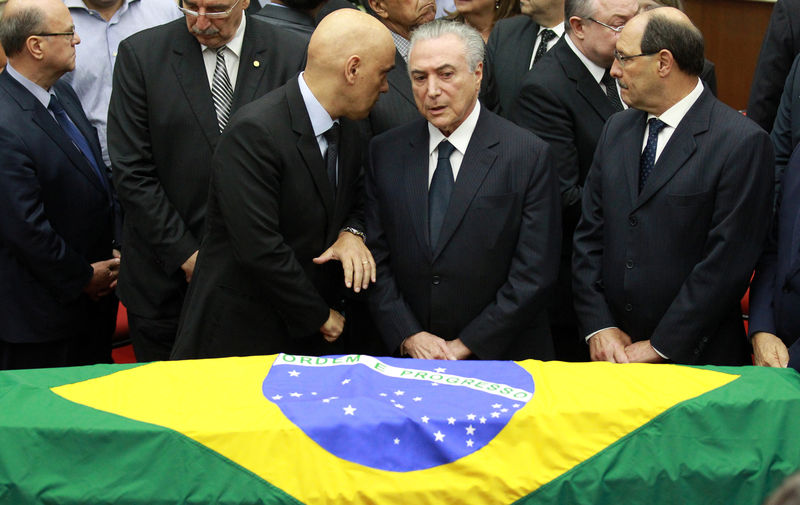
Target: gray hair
(578, 8)
(17, 27)
(473, 42)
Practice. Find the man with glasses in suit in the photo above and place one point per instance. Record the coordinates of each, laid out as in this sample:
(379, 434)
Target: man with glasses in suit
(175, 88)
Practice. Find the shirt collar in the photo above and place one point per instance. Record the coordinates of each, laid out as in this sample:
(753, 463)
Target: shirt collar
(675, 114)
(37, 91)
(402, 44)
(321, 121)
(460, 137)
(235, 44)
(596, 70)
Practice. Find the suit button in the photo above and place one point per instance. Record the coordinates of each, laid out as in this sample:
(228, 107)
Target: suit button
(628, 307)
(633, 220)
(436, 280)
(629, 264)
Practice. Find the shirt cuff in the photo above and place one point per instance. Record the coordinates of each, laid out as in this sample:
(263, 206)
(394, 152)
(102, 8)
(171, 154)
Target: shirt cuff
(598, 331)
(659, 352)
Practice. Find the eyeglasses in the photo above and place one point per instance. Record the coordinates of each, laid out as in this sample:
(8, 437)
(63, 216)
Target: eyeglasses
(615, 29)
(71, 34)
(622, 59)
(211, 15)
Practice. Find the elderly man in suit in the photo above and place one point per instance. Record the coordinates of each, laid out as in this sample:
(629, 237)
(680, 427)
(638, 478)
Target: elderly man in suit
(285, 210)
(674, 209)
(566, 101)
(175, 87)
(518, 42)
(462, 216)
(57, 206)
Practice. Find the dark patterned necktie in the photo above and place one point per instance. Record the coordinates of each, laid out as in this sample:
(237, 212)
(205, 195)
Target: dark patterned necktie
(440, 190)
(332, 154)
(221, 90)
(546, 36)
(648, 159)
(611, 91)
(76, 136)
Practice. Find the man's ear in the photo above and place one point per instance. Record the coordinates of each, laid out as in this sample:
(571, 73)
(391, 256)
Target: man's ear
(351, 68)
(379, 7)
(576, 24)
(34, 46)
(666, 62)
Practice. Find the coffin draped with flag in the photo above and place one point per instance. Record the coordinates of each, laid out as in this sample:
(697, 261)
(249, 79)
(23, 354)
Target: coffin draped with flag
(362, 430)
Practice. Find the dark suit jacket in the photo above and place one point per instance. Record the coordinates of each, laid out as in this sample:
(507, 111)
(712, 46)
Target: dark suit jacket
(671, 264)
(162, 131)
(253, 8)
(781, 44)
(271, 210)
(509, 53)
(293, 20)
(786, 129)
(488, 278)
(775, 291)
(56, 218)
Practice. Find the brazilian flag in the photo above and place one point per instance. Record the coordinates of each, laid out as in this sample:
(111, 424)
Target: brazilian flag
(363, 430)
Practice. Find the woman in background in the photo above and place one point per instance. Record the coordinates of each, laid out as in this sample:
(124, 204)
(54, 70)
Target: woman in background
(483, 14)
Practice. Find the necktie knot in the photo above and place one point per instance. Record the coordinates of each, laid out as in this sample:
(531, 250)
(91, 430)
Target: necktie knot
(55, 104)
(656, 125)
(332, 134)
(547, 35)
(445, 149)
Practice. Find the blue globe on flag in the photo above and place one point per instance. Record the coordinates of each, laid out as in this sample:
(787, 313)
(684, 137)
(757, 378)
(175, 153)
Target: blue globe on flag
(382, 413)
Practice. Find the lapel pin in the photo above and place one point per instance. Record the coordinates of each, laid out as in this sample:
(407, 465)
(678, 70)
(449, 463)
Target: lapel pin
(256, 63)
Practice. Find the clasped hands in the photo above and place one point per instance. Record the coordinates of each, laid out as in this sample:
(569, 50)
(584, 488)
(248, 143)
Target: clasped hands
(615, 346)
(424, 345)
(359, 271)
(104, 277)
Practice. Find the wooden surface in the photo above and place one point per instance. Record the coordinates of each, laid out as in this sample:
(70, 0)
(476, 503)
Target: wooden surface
(733, 30)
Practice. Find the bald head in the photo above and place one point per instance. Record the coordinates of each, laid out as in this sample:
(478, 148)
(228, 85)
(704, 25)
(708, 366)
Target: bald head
(669, 28)
(349, 55)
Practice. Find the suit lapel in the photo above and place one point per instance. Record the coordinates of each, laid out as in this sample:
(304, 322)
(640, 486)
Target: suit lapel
(477, 161)
(252, 64)
(520, 57)
(308, 147)
(587, 87)
(631, 140)
(680, 147)
(414, 165)
(42, 118)
(190, 71)
(399, 80)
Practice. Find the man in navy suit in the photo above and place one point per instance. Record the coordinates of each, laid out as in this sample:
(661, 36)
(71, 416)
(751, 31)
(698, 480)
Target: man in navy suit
(775, 291)
(56, 202)
(462, 216)
(674, 208)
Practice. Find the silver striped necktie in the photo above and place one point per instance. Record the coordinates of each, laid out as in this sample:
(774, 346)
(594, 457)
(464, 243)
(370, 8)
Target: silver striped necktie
(221, 90)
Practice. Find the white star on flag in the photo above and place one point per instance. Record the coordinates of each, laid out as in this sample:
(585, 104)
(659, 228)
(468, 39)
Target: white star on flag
(383, 394)
(471, 417)
(516, 405)
(451, 420)
(294, 373)
(495, 414)
(440, 370)
(326, 400)
(296, 395)
(396, 441)
(439, 436)
(417, 399)
(470, 430)
(434, 383)
(482, 420)
(425, 419)
(504, 410)
(277, 397)
(346, 381)
(470, 443)
(349, 410)
(398, 406)
(399, 393)
(496, 406)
